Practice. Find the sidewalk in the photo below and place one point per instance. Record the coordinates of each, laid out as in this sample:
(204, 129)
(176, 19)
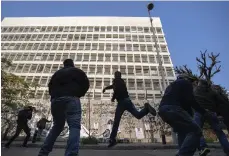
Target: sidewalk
(132, 146)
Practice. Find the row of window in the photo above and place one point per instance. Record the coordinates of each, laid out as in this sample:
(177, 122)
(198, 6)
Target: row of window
(43, 94)
(82, 37)
(85, 57)
(83, 46)
(90, 69)
(120, 29)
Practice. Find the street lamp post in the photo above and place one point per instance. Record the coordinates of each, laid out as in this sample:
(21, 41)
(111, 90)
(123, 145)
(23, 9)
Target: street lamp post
(89, 115)
(150, 7)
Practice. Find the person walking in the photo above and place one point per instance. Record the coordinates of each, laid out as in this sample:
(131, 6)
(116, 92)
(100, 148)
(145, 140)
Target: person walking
(66, 87)
(124, 103)
(176, 109)
(22, 124)
(209, 99)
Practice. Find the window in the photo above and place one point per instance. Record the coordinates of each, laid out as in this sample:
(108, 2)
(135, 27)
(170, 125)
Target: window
(89, 37)
(38, 57)
(101, 46)
(72, 56)
(129, 58)
(66, 29)
(136, 47)
(148, 84)
(84, 29)
(134, 38)
(115, 29)
(58, 37)
(153, 71)
(122, 47)
(48, 46)
(18, 57)
(34, 37)
(86, 57)
(144, 58)
(138, 70)
(49, 29)
(107, 70)
(90, 29)
(4, 37)
(43, 81)
(141, 96)
(83, 37)
(81, 46)
(51, 57)
(129, 47)
(115, 47)
(152, 59)
(46, 37)
(79, 57)
(159, 31)
(54, 46)
(57, 57)
(97, 95)
(146, 29)
(114, 68)
(39, 38)
(115, 57)
(93, 57)
(29, 46)
(39, 94)
(131, 84)
(107, 57)
(44, 57)
(143, 47)
(64, 57)
(78, 29)
(42, 46)
(108, 47)
(169, 72)
(122, 58)
(161, 39)
(31, 56)
(67, 46)
(94, 46)
(127, 29)
(19, 68)
(40, 68)
(146, 71)
(123, 70)
(156, 84)
(88, 46)
(121, 29)
(140, 29)
(166, 59)
(100, 57)
(47, 68)
(61, 46)
(12, 68)
(133, 29)
(54, 68)
(92, 69)
(99, 69)
(103, 29)
(76, 37)
(137, 58)
(141, 38)
(109, 29)
(33, 68)
(74, 46)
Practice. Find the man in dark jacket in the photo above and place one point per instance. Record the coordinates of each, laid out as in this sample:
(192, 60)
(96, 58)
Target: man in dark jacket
(66, 87)
(124, 103)
(40, 127)
(208, 99)
(22, 124)
(176, 110)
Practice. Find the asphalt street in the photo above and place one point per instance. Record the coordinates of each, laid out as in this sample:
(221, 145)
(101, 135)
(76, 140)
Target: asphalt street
(19, 151)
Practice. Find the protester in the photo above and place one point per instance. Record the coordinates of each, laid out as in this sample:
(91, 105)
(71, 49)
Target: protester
(41, 124)
(124, 103)
(66, 87)
(208, 99)
(22, 124)
(176, 110)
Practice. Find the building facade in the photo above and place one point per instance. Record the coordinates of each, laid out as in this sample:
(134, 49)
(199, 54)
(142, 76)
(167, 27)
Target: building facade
(99, 46)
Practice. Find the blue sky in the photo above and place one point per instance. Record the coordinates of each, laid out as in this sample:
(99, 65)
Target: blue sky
(189, 26)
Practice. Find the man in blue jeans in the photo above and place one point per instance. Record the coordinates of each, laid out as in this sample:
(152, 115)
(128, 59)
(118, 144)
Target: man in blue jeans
(124, 103)
(66, 87)
(176, 110)
(209, 99)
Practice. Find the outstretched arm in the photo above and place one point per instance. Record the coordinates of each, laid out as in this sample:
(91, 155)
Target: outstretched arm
(108, 87)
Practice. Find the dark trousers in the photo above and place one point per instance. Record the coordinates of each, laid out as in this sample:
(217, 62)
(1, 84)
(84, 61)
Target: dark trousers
(20, 127)
(123, 105)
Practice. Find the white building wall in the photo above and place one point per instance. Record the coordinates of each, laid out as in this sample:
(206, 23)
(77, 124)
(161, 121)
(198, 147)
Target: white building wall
(98, 45)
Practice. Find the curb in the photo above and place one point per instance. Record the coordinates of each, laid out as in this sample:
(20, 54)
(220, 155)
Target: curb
(117, 147)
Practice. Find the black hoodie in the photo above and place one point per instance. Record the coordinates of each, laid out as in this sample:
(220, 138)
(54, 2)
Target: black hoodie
(68, 81)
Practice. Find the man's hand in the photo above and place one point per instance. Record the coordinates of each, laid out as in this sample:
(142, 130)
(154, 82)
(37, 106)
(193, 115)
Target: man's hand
(104, 90)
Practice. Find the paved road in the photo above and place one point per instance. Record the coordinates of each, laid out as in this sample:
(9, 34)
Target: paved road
(16, 151)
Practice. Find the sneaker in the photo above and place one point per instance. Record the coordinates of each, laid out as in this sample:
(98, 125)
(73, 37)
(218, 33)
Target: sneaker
(112, 143)
(151, 109)
(205, 152)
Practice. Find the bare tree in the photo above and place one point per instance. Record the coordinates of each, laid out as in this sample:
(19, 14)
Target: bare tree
(208, 71)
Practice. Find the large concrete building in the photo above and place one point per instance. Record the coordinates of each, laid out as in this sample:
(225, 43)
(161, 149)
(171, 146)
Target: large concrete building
(99, 46)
